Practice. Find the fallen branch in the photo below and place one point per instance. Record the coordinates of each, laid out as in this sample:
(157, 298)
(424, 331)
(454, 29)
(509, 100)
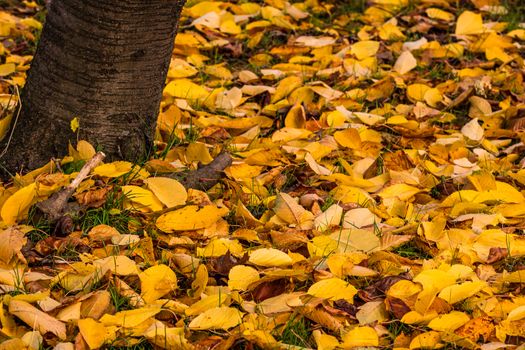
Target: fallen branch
(55, 207)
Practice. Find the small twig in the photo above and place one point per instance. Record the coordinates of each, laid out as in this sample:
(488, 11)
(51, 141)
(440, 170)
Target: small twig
(462, 97)
(55, 206)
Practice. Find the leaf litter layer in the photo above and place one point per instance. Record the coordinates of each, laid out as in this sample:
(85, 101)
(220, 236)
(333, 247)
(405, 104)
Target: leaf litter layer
(375, 198)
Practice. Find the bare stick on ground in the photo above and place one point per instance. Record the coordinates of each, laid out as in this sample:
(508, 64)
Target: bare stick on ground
(56, 206)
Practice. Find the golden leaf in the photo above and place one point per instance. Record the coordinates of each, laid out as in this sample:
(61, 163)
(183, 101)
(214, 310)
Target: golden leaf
(169, 191)
(190, 217)
(156, 282)
(217, 318)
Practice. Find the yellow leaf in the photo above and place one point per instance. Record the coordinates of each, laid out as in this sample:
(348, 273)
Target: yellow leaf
(288, 210)
(217, 318)
(198, 152)
(364, 49)
(184, 88)
(168, 338)
(181, 69)
(403, 289)
(208, 303)
(414, 317)
(351, 194)
(142, 196)
(322, 246)
(31, 22)
(390, 31)
(493, 53)
(85, 150)
(432, 97)
(285, 87)
(230, 27)
(93, 332)
(240, 277)
(516, 314)
(405, 63)
(17, 205)
(5, 124)
(449, 322)
(368, 118)
(120, 265)
(401, 191)
(190, 217)
(333, 289)
(296, 117)
(221, 246)
(348, 138)
(330, 217)
(455, 293)
(270, 257)
(229, 99)
(74, 124)
(416, 92)
(439, 14)
(6, 69)
(435, 279)
(156, 282)
(427, 340)
(469, 23)
(361, 336)
(473, 130)
(325, 341)
(129, 318)
(114, 169)
(351, 240)
(169, 191)
(201, 280)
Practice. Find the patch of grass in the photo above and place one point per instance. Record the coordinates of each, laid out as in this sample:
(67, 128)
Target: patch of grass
(328, 202)
(515, 14)
(396, 327)
(73, 166)
(297, 332)
(173, 141)
(143, 344)
(111, 214)
(410, 251)
(120, 302)
(41, 228)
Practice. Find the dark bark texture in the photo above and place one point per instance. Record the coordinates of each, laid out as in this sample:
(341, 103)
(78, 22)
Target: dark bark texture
(104, 62)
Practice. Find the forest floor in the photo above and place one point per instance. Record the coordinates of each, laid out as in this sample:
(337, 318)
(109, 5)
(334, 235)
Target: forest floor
(376, 197)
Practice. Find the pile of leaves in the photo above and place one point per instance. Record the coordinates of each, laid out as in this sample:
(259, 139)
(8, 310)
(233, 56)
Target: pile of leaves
(375, 199)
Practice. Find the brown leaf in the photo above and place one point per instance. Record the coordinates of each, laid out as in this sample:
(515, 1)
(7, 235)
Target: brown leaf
(397, 307)
(477, 328)
(37, 319)
(269, 289)
(496, 254)
(96, 305)
(322, 317)
(93, 198)
(11, 242)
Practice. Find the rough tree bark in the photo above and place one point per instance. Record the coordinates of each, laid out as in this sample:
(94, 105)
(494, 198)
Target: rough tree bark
(104, 62)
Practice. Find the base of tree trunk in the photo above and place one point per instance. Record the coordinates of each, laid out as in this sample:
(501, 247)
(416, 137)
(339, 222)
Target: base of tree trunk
(103, 62)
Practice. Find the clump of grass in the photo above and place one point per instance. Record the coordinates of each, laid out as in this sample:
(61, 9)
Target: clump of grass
(411, 251)
(111, 213)
(297, 332)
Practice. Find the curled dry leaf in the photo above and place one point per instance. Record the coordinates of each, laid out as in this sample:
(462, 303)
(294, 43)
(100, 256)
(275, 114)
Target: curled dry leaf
(37, 319)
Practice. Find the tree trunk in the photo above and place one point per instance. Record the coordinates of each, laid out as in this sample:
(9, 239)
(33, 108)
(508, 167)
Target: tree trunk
(103, 62)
